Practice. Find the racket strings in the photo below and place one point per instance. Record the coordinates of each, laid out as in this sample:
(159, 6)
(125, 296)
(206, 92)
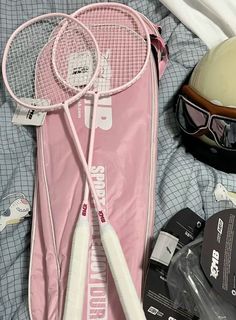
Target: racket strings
(76, 61)
(76, 58)
(47, 85)
(30, 60)
(124, 53)
(110, 15)
(23, 54)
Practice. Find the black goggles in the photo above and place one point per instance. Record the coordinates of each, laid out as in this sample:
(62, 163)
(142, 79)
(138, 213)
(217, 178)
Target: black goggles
(196, 120)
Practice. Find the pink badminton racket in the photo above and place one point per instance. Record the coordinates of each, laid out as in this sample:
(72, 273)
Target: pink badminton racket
(80, 241)
(124, 44)
(30, 78)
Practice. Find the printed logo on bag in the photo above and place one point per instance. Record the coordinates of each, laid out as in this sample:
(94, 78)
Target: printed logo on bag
(98, 269)
(215, 264)
(104, 109)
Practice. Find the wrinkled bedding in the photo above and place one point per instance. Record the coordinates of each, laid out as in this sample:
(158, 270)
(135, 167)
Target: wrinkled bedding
(181, 180)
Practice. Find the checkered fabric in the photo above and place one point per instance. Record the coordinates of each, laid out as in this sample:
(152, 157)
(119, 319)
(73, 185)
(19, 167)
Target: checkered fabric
(181, 180)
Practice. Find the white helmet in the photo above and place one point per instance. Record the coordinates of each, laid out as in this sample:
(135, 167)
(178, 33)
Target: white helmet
(206, 107)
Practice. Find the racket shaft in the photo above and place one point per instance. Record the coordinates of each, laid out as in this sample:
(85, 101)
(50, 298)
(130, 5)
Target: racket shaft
(120, 272)
(124, 284)
(91, 144)
(79, 255)
(77, 272)
(82, 157)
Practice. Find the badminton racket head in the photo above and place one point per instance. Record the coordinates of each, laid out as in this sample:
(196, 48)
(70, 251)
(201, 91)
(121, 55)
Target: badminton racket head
(54, 92)
(123, 41)
(112, 13)
(20, 59)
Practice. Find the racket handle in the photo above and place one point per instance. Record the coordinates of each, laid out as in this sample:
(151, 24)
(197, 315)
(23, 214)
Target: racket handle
(73, 308)
(124, 284)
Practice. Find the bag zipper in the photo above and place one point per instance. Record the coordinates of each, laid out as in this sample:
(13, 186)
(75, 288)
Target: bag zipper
(151, 206)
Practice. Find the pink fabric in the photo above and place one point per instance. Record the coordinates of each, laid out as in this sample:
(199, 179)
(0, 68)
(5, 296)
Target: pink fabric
(123, 173)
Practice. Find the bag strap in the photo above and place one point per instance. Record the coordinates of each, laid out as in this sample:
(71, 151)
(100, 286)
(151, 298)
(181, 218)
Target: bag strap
(162, 53)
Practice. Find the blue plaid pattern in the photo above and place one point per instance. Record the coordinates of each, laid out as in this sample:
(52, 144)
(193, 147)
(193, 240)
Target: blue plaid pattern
(181, 180)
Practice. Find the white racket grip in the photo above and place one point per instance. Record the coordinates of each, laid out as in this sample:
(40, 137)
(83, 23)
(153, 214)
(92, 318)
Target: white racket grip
(74, 301)
(124, 284)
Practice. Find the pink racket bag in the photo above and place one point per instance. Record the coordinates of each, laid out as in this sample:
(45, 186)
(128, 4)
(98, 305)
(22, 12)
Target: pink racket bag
(123, 172)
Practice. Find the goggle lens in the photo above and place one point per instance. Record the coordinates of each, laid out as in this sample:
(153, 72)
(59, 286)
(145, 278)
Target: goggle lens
(190, 117)
(193, 119)
(224, 130)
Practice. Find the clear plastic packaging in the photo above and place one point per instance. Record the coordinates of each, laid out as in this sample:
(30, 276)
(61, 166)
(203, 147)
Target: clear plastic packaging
(190, 289)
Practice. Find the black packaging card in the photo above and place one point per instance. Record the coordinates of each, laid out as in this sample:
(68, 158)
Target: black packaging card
(157, 303)
(185, 225)
(218, 258)
(179, 231)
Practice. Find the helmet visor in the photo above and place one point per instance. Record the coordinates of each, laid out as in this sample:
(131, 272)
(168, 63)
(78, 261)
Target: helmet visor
(194, 120)
(190, 117)
(224, 130)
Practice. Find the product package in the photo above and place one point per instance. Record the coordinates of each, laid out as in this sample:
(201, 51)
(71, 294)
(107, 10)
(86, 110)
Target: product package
(201, 277)
(179, 231)
(218, 256)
